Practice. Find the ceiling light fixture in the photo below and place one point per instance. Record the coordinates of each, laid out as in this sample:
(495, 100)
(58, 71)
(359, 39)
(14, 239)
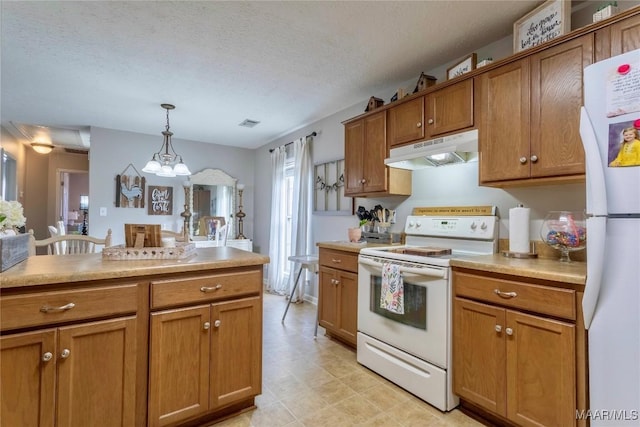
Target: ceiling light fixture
(161, 163)
(42, 148)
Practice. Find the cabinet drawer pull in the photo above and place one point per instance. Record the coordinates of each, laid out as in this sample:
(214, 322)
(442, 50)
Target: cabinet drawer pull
(498, 328)
(505, 294)
(206, 289)
(523, 160)
(337, 261)
(47, 356)
(217, 323)
(65, 353)
(47, 309)
(509, 331)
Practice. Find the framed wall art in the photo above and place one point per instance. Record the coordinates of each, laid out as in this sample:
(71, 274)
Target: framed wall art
(546, 22)
(160, 200)
(462, 67)
(130, 189)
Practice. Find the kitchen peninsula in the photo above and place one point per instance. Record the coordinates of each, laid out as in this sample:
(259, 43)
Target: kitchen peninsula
(87, 341)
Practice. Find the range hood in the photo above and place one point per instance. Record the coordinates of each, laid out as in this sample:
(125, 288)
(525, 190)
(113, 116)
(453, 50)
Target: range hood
(448, 150)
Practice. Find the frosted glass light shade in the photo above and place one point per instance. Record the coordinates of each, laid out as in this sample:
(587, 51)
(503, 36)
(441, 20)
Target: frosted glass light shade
(166, 171)
(152, 166)
(181, 169)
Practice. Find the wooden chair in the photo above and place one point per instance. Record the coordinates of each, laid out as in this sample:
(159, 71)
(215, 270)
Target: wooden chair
(179, 236)
(73, 244)
(221, 236)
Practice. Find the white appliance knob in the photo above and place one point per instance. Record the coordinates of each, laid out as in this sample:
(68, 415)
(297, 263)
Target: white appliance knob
(411, 223)
(483, 226)
(418, 224)
(473, 225)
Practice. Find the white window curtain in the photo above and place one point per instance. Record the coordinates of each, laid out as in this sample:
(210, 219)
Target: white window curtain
(302, 205)
(277, 245)
(300, 239)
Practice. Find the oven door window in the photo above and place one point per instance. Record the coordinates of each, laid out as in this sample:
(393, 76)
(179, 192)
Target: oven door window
(415, 303)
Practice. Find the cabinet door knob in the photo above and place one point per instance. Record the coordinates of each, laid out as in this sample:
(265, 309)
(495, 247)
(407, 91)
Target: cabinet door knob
(509, 331)
(217, 323)
(523, 160)
(430, 121)
(419, 124)
(206, 289)
(498, 328)
(363, 181)
(65, 353)
(47, 356)
(206, 325)
(534, 158)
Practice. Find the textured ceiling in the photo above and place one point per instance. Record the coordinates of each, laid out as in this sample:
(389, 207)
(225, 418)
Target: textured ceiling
(286, 64)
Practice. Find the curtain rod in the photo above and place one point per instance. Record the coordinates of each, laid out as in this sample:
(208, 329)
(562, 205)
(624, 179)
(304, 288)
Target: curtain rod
(289, 143)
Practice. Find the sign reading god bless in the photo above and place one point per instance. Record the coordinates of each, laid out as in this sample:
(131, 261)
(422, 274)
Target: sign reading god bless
(160, 200)
(544, 23)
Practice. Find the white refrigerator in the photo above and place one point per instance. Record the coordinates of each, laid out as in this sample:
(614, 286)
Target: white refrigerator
(610, 131)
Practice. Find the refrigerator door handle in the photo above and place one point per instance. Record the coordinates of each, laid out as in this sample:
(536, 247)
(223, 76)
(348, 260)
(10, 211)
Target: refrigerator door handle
(597, 230)
(596, 190)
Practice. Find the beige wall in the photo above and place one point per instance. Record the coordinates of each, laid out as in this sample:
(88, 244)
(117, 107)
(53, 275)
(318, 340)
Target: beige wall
(42, 184)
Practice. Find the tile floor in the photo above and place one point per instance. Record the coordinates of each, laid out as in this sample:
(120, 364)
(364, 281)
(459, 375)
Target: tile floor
(319, 383)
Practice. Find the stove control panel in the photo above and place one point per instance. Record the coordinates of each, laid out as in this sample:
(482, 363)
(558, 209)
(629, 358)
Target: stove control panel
(468, 227)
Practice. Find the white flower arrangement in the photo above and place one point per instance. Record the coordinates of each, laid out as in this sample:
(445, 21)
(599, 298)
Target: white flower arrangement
(11, 215)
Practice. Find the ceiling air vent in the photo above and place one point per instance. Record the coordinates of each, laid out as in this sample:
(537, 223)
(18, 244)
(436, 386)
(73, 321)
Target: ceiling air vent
(248, 123)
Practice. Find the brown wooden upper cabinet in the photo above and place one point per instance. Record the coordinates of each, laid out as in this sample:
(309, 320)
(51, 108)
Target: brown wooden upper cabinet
(365, 148)
(442, 111)
(529, 116)
(618, 38)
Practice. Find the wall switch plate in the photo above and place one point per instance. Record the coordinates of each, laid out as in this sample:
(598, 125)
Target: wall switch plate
(103, 211)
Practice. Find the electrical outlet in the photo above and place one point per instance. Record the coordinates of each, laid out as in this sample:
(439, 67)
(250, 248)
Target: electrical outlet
(103, 211)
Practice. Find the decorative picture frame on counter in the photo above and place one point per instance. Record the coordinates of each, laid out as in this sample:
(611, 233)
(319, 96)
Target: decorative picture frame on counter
(462, 67)
(546, 22)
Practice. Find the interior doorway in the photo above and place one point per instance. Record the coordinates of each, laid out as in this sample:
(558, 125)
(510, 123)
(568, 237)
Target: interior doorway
(72, 206)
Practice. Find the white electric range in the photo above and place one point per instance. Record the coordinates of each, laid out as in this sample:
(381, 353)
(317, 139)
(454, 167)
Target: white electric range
(413, 349)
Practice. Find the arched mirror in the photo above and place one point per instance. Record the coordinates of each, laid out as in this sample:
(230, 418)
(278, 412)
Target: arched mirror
(212, 201)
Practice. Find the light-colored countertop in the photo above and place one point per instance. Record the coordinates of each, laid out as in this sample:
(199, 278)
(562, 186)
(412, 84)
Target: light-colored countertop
(537, 268)
(50, 269)
(342, 245)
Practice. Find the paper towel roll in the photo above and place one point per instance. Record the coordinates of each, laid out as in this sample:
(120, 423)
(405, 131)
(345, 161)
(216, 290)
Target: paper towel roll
(519, 230)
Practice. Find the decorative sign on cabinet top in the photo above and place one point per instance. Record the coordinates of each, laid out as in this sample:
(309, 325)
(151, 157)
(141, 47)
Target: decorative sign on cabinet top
(546, 22)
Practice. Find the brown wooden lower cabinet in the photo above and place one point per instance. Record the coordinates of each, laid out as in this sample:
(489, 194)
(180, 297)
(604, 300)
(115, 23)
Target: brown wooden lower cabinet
(203, 358)
(528, 369)
(338, 294)
(76, 375)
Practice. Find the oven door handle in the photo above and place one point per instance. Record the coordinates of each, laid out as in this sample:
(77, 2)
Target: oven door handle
(425, 271)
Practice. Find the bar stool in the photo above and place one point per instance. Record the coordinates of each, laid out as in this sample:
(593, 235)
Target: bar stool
(310, 263)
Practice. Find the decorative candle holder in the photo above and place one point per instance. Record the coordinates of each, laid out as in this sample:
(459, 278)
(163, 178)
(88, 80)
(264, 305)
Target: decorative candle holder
(240, 215)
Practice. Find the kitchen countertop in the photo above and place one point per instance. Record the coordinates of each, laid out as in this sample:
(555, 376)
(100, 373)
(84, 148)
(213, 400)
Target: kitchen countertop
(50, 269)
(537, 268)
(343, 245)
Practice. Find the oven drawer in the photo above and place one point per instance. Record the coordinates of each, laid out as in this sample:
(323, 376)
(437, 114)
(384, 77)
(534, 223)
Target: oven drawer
(548, 300)
(192, 290)
(338, 259)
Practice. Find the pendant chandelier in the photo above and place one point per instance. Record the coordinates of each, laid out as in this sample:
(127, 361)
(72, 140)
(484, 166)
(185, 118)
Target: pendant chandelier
(165, 163)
